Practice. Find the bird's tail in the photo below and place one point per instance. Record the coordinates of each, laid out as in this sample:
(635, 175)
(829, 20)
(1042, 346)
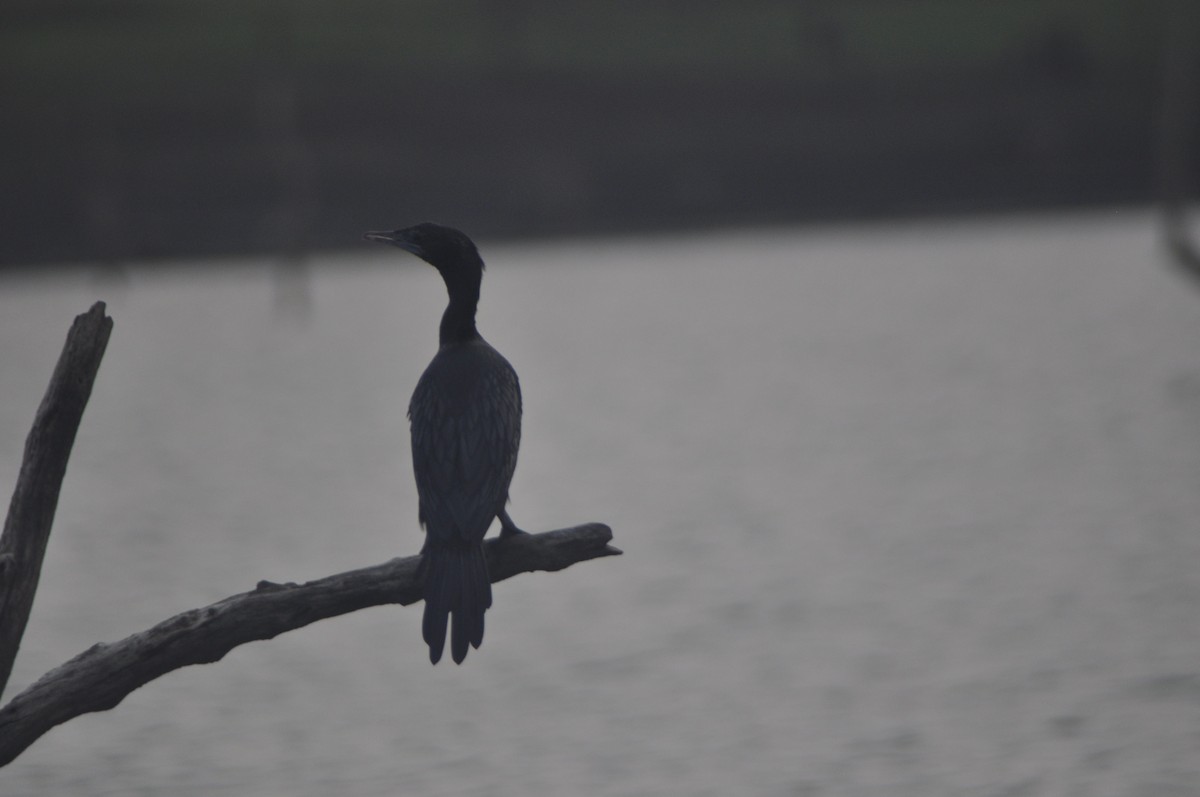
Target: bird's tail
(457, 588)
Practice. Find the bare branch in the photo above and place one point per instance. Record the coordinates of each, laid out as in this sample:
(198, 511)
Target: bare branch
(35, 498)
(100, 677)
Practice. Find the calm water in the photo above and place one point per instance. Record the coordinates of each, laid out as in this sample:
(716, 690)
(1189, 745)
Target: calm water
(906, 511)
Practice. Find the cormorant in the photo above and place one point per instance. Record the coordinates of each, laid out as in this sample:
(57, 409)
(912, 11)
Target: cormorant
(465, 417)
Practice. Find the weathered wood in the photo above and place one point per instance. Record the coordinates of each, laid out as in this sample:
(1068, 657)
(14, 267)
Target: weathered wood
(35, 498)
(100, 677)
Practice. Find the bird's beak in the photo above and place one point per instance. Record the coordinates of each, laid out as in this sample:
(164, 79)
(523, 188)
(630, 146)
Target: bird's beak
(382, 237)
(395, 239)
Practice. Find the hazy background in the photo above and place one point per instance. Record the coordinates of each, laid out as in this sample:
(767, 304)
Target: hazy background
(852, 319)
(161, 128)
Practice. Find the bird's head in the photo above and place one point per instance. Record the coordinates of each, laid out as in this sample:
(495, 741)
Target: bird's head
(448, 250)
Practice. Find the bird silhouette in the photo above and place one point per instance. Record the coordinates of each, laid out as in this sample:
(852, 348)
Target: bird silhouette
(465, 417)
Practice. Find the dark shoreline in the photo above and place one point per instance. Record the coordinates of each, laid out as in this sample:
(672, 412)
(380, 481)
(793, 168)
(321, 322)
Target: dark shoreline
(285, 156)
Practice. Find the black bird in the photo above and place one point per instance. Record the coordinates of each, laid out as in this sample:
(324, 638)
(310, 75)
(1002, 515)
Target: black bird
(465, 416)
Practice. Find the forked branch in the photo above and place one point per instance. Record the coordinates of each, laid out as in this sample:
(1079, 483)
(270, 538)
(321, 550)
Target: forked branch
(101, 676)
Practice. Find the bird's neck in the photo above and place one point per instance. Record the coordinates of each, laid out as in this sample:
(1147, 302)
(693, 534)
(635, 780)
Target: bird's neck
(458, 322)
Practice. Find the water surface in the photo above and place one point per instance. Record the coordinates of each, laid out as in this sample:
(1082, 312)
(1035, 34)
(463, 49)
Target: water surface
(907, 510)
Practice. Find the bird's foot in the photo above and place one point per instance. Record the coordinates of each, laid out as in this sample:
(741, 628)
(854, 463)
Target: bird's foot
(507, 527)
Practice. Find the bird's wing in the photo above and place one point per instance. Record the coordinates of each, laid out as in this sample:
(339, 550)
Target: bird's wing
(466, 429)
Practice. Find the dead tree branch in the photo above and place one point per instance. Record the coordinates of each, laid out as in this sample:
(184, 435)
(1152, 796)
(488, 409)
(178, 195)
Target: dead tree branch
(100, 677)
(35, 498)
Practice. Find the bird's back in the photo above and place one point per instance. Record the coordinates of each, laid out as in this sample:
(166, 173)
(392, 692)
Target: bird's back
(466, 428)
